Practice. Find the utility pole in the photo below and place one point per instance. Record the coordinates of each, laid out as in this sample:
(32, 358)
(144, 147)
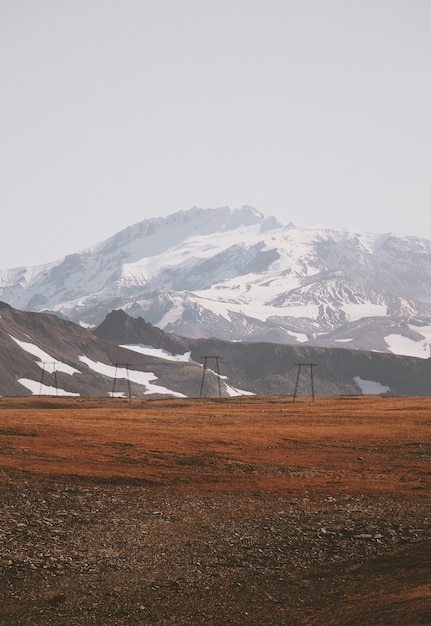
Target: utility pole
(53, 366)
(299, 366)
(126, 367)
(216, 359)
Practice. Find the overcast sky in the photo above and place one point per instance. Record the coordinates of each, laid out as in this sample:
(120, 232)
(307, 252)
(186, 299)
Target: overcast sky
(114, 111)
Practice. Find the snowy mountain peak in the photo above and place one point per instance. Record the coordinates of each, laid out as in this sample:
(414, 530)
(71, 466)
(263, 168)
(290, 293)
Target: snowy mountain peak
(221, 219)
(153, 236)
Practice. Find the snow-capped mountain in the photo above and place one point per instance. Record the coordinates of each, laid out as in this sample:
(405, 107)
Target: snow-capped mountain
(238, 275)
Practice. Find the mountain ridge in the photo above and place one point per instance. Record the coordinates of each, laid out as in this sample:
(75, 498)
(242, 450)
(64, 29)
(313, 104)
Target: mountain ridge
(240, 276)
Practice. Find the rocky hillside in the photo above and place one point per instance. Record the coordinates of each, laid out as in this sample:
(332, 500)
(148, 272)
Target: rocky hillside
(43, 354)
(46, 355)
(268, 368)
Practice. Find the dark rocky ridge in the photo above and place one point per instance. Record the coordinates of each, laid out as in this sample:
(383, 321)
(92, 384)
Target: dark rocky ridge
(268, 368)
(260, 368)
(65, 342)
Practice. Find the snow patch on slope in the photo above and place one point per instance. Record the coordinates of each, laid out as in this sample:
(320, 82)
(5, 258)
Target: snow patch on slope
(356, 311)
(370, 387)
(397, 344)
(38, 389)
(174, 314)
(232, 391)
(46, 362)
(158, 352)
(140, 378)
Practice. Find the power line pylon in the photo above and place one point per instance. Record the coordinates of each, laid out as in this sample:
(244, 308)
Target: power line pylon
(216, 359)
(127, 377)
(53, 367)
(300, 366)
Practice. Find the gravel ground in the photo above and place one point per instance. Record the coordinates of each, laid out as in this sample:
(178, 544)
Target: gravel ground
(122, 554)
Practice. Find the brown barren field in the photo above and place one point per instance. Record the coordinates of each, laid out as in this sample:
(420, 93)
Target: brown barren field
(251, 510)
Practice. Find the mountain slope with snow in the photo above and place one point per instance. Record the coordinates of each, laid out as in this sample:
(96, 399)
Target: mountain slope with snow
(43, 354)
(270, 368)
(237, 275)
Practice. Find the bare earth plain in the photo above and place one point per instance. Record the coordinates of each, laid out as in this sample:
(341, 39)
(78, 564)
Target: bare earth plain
(251, 510)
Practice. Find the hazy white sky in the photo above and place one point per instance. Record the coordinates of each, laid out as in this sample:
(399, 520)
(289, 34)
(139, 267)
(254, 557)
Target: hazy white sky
(113, 111)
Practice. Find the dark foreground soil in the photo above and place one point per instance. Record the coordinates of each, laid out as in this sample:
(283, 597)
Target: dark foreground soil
(240, 511)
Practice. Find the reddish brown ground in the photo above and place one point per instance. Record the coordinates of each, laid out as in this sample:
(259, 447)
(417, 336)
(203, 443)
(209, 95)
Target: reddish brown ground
(215, 511)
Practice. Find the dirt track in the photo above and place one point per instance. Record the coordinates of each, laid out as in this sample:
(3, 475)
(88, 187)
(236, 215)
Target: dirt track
(216, 511)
